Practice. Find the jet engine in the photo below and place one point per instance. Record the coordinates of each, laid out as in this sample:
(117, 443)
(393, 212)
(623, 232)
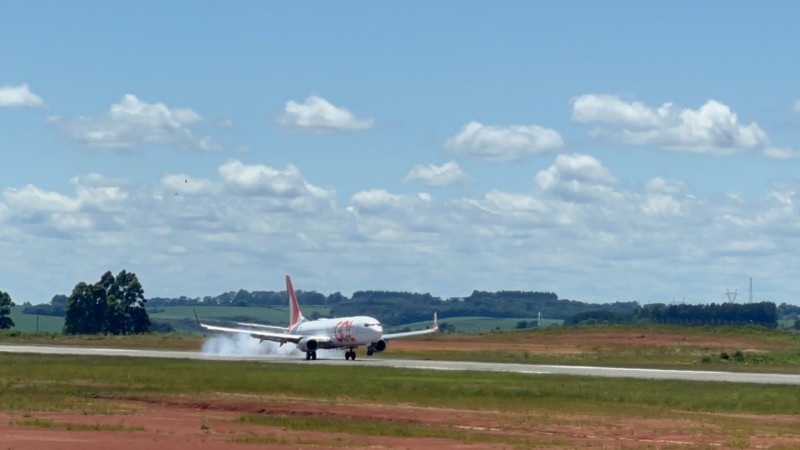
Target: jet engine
(378, 346)
(307, 345)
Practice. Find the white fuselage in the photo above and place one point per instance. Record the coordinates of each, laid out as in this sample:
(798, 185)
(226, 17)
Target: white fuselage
(344, 332)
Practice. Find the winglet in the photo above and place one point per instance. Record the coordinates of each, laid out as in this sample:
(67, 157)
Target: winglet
(196, 318)
(295, 316)
(435, 321)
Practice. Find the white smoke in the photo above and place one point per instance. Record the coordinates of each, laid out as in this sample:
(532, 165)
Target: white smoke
(244, 345)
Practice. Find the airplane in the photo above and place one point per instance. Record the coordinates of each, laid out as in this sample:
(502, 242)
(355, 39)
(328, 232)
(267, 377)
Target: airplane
(344, 333)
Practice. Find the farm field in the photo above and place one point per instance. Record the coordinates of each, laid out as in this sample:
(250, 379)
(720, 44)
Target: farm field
(103, 402)
(28, 323)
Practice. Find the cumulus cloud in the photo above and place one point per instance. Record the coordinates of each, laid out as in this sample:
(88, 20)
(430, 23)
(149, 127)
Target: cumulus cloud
(263, 180)
(499, 202)
(375, 199)
(578, 178)
(663, 185)
(577, 232)
(185, 185)
(131, 123)
(32, 198)
(503, 143)
(94, 207)
(432, 175)
(711, 129)
(19, 97)
(780, 153)
(319, 115)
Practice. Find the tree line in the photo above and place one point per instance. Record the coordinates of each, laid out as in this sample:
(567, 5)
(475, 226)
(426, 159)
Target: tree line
(757, 313)
(394, 308)
(117, 305)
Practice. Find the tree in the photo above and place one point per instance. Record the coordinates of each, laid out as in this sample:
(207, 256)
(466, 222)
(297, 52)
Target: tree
(113, 305)
(80, 315)
(5, 311)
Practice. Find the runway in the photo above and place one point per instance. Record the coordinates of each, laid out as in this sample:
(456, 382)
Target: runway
(533, 369)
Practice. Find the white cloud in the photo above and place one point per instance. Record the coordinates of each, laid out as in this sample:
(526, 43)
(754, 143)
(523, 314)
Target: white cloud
(375, 199)
(780, 153)
(662, 185)
(185, 185)
(32, 198)
(607, 108)
(94, 208)
(499, 202)
(97, 191)
(263, 180)
(577, 232)
(661, 205)
(711, 129)
(578, 178)
(796, 106)
(132, 123)
(503, 143)
(432, 175)
(317, 114)
(19, 97)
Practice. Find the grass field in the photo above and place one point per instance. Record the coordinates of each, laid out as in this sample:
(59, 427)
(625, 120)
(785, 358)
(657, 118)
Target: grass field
(468, 324)
(545, 410)
(31, 324)
(56, 382)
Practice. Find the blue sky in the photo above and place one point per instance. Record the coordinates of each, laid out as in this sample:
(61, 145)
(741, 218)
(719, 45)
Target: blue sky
(601, 150)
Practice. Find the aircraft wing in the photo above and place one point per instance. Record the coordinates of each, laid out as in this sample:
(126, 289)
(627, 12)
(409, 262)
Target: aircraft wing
(432, 329)
(258, 334)
(261, 325)
(282, 337)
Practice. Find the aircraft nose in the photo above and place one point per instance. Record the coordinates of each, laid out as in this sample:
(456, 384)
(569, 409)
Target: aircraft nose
(378, 331)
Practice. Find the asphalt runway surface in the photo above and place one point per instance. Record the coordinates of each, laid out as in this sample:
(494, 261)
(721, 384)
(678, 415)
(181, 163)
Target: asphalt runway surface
(533, 369)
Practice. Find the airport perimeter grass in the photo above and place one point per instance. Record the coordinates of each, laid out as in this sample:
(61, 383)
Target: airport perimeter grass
(32, 384)
(50, 382)
(778, 351)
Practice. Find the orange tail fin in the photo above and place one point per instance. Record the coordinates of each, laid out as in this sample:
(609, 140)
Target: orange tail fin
(295, 316)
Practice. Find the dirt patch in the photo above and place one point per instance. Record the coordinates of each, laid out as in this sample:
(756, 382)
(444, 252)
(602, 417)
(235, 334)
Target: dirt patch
(211, 423)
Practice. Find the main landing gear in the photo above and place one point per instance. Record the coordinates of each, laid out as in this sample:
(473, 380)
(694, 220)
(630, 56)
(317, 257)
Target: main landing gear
(311, 355)
(350, 354)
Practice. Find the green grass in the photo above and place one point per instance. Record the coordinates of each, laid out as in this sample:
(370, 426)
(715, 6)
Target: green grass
(47, 382)
(145, 341)
(735, 414)
(28, 323)
(372, 427)
(50, 425)
(468, 324)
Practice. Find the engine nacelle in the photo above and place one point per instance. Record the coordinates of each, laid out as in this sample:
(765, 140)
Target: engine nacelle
(308, 345)
(378, 346)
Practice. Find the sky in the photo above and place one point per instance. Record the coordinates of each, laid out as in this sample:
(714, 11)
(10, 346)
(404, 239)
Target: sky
(604, 151)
